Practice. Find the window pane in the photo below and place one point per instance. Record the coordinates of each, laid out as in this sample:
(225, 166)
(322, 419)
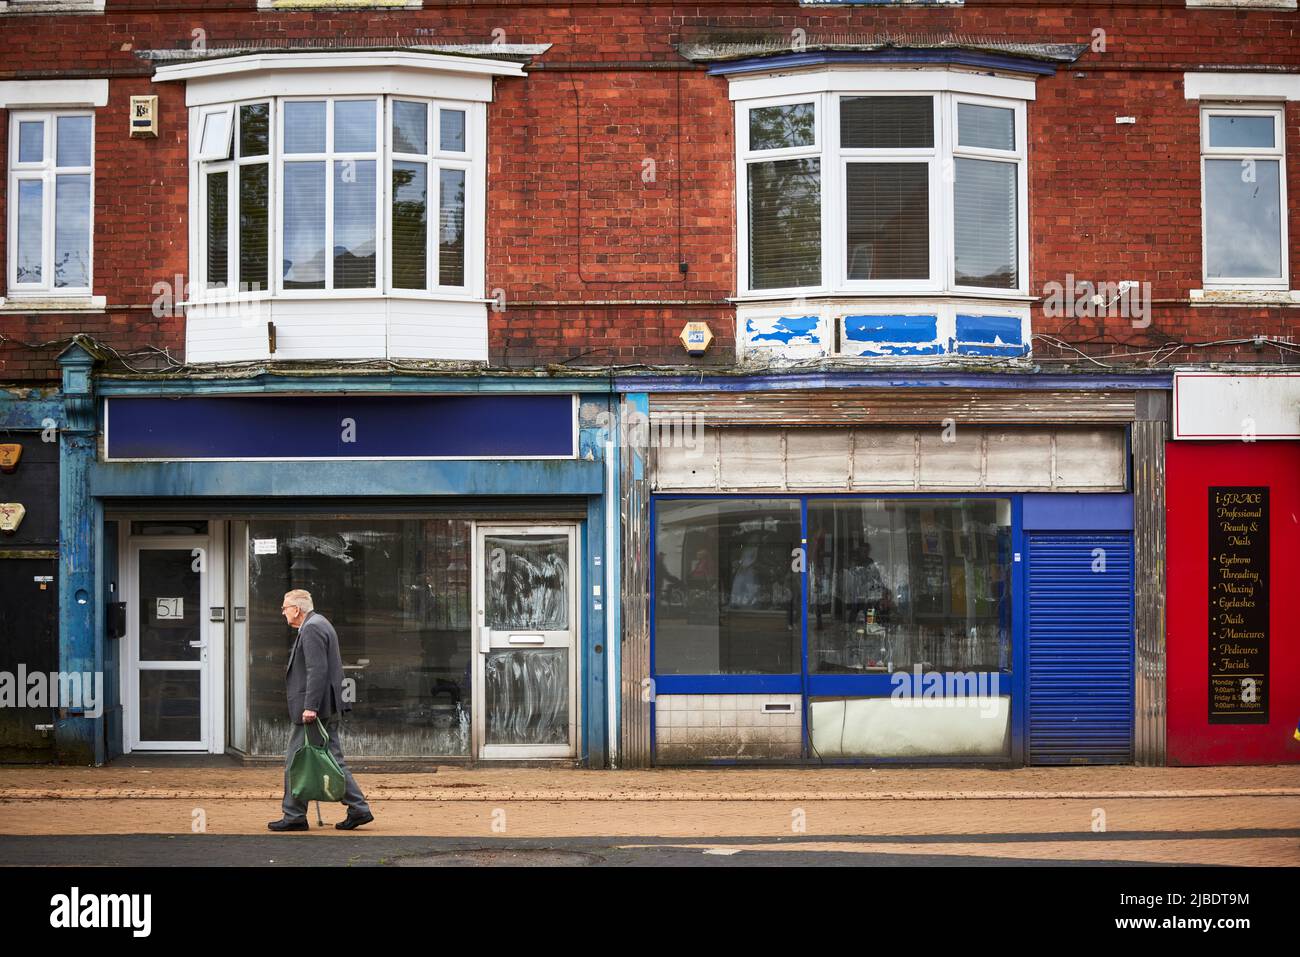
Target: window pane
(985, 214)
(785, 228)
(451, 228)
(254, 242)
(887, 122)
(304, 126)
(304, 226)
(214, 141)
(31, 241)
(410, 225)
(452, 135)
(1243, 219)
(254, 129)
(72, 141)
(31, 141)
(526, 696)
(354, 126)
(1231, 131)
(780, 127)
(888, 220)
(526, 582)
(397, 591)
(892, 584)
(354, 224)
(218, 230)
(986, 127)
(72, 231)
(410, 127)
(727, 600)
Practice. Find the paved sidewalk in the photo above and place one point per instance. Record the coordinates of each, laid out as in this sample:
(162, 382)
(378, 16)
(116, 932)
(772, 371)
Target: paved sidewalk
(452, 783)
(1135, 815)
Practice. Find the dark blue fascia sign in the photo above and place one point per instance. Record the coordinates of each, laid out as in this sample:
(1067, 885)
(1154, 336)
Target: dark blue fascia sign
(287, 427)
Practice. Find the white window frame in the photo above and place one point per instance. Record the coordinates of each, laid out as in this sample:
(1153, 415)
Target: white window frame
(942, 159)
(329, 158)
(46, 171)
(1278, 153)
(472, 160)
(436, 159)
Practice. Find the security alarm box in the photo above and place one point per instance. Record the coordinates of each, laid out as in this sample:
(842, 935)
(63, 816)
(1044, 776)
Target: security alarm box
(144, 116)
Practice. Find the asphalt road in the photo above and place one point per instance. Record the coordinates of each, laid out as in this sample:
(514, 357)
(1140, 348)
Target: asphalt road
(299, 849)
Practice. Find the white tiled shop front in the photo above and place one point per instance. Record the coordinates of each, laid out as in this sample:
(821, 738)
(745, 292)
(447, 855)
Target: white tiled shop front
(693, 727)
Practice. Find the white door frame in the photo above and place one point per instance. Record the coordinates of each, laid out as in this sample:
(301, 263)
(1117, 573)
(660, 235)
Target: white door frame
(211, 663)
(485, 641)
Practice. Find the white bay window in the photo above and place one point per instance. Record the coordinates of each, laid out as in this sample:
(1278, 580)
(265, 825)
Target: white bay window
(338, 202)
(889, 192)
(356, 195)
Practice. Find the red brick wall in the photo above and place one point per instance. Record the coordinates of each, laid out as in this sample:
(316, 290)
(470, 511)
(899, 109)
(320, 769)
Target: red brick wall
(586, 248)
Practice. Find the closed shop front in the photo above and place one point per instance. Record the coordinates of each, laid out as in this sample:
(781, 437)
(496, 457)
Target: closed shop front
(830, 586)
(448, 537)
(1234, 558)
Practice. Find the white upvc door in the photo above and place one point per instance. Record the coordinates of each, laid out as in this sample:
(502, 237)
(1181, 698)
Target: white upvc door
(525, 642)
(169, 683)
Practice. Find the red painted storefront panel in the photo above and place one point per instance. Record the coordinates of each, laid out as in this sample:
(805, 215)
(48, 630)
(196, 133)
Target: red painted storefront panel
(1193, 468)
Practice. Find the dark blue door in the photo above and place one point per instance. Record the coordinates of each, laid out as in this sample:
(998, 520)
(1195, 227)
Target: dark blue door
(1080, 648)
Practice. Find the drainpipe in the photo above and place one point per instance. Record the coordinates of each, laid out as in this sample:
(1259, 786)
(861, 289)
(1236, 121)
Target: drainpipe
(612, 599)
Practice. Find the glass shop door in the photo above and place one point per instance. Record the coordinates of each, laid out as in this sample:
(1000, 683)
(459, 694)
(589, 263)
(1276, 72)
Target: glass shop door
(526, 624)
(168, 630)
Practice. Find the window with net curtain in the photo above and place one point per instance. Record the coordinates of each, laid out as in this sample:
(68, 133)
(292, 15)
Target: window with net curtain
(317, 167)
(921, 192)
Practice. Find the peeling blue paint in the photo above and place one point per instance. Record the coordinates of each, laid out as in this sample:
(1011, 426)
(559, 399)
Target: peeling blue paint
(989, 330)
(786, 330)
(934, 349)
(891, 328)
(989, 336)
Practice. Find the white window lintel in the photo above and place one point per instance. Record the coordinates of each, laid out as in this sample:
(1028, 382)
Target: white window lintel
(1269, 87)
(52, 94)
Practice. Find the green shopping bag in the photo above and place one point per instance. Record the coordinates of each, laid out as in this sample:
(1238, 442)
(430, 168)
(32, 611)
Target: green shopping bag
(314, 775)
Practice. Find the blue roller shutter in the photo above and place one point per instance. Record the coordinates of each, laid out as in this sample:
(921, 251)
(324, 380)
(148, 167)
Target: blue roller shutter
(1080, 649)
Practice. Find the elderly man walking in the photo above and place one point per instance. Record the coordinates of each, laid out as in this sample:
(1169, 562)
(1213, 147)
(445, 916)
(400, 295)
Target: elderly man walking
(314, 681)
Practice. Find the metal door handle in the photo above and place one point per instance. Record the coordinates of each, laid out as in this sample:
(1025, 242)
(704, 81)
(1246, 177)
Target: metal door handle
(198, 644)
(527, 639)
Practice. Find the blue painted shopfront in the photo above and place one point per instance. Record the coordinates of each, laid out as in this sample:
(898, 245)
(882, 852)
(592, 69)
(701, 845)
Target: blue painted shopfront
(1086, 521)
(232, 470)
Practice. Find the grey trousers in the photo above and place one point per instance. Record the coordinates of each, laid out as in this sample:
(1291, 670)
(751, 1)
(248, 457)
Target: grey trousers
(295, 810)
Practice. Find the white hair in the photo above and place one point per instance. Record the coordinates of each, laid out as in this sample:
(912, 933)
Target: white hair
(300, 598)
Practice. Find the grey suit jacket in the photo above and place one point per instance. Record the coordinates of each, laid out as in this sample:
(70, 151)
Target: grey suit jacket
(313, 677)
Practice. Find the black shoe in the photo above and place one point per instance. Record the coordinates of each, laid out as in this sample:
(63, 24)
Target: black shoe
(283, 825)
(354, 820)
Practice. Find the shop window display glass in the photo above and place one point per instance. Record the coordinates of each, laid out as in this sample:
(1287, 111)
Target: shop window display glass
(728, 595)
(398, 593)
(894, 584)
